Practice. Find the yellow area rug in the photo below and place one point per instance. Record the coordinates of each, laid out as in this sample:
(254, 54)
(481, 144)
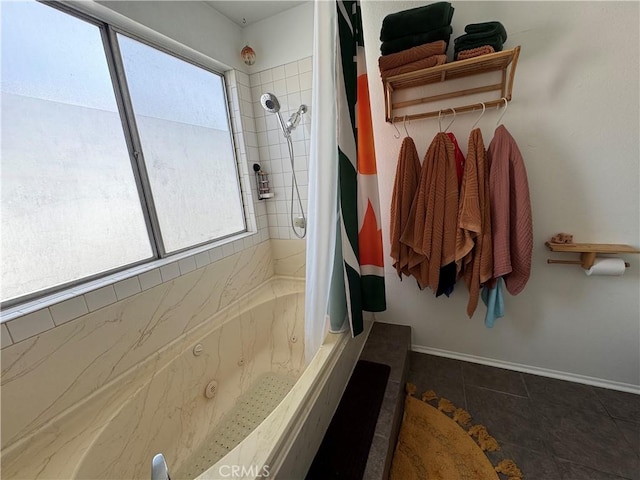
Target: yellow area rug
(437, 441)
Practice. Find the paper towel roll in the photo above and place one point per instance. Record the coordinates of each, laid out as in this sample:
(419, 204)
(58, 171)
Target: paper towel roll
(607, 266)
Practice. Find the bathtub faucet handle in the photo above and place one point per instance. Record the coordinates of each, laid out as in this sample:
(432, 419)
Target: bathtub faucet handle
(159, 470)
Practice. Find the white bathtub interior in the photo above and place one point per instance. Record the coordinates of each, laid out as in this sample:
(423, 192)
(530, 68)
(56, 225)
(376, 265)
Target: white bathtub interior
(256, 351)
(251, 410)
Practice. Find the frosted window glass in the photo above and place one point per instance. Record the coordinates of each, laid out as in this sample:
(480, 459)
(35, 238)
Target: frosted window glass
(70, 206)
(183, 126)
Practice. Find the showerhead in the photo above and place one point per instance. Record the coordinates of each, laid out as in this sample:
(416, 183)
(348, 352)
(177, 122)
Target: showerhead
(270, 102)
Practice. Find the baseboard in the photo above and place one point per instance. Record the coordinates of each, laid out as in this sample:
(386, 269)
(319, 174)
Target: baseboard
(518, 367)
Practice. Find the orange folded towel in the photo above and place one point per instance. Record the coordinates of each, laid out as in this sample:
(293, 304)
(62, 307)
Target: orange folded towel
(475, 52)
(428, 62)
(394, 60)
(404, 190)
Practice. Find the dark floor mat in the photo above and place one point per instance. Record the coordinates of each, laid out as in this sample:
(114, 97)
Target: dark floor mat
(345, 447)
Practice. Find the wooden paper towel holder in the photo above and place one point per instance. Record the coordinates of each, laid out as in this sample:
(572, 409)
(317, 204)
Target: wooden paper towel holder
(588, 252)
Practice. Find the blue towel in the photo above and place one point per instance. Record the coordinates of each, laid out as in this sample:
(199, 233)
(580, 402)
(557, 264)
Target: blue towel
(493, 299)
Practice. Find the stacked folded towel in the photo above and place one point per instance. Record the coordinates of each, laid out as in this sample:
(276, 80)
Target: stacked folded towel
(475, 52)
(415, 58)
(417, 26)
(480, 39)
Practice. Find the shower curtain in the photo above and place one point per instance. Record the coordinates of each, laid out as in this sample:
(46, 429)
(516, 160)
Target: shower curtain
(323, 179)
(360, 233)
(344, 243)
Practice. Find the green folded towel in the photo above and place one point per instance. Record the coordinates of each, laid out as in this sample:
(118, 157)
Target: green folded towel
(416, 21)
(489, 28)
(409, 41)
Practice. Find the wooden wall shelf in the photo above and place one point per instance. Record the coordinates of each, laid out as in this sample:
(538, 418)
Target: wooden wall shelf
(491, 62)
(588, 251)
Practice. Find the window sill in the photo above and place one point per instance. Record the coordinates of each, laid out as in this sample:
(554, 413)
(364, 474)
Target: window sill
(136, 279)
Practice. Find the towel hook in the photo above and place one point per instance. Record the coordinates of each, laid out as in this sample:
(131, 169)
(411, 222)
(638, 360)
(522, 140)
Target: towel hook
(404, 124)
(484, 107)
(440, 120)
(452, 120)
(503, 112)
(393, 122)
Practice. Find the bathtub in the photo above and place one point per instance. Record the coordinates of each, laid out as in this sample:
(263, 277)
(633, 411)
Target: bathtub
(231, 398)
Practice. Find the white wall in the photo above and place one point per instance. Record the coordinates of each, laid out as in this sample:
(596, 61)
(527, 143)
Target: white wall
(191, 23)
(575, 117)
(282, 38)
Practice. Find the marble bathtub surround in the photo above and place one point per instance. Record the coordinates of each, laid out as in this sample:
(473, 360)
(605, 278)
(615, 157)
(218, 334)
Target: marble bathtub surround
(161, 398)
(47, 374)
(289, 257)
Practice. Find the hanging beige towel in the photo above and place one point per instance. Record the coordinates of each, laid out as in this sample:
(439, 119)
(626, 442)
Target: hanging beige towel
(404, 190)
(431, 229)
(473, 251)
(511, 219)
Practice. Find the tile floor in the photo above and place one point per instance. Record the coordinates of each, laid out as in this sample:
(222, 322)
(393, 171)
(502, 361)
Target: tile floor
(553, 429)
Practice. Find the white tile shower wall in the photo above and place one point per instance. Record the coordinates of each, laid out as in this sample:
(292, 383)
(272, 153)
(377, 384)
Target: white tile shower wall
(31, 319)
(291, 83)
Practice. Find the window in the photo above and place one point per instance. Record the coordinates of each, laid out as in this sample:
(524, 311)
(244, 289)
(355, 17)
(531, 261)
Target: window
(183, 125)
(99, 174)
